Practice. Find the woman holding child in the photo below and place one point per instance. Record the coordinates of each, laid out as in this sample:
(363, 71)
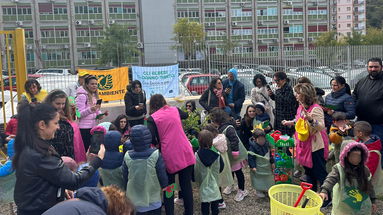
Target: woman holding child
(312, 147)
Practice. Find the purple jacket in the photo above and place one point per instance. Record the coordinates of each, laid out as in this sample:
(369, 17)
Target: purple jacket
(88, 117)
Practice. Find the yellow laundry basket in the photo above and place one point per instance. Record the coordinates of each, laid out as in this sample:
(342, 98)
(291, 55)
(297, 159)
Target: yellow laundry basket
(283, 197)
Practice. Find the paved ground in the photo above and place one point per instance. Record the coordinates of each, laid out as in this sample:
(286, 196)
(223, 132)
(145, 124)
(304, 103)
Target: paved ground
(251, 205)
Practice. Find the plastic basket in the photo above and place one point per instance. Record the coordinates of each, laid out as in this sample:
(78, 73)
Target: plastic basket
(283, 197)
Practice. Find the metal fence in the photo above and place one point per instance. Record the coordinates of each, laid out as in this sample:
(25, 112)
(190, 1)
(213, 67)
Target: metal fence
(319, 64)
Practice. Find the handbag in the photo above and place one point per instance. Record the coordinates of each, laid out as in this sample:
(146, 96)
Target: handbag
(303, 129)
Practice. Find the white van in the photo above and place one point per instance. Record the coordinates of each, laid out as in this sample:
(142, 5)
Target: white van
(54, 71)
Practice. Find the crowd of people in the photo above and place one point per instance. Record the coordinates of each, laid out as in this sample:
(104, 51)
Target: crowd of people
(67, 161)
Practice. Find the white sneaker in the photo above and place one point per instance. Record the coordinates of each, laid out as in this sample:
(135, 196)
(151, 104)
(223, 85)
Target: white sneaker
(222, 205)
(228, 189)
(241, 194)
(178, 201)
(260, 194)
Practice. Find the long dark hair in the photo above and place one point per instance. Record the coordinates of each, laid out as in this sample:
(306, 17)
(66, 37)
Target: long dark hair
(213, 82)
(157, 101)
(131, 86)
(27, 131)
(360, 175)
(117, 123)
(85, 86)
(192, 103)
(248, 120)
(342, 81)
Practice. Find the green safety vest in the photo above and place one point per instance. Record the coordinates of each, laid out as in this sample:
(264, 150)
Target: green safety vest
(112, 177)
(347, 198)
(242, 150)
(226, 176)
(263, 178)
(377, 179)
(207, 179)
(143, 186)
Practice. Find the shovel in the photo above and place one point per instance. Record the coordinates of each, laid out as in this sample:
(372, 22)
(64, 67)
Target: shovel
(305, 186)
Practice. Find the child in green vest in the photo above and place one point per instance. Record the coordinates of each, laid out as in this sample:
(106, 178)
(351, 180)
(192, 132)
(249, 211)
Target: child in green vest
(207, 168)
(350, 183)
(144, 172)
(260, 162)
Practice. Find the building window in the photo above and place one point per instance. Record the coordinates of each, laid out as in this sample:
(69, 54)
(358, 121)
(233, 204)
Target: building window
(348, 25)
(348, 16)
(348, 8)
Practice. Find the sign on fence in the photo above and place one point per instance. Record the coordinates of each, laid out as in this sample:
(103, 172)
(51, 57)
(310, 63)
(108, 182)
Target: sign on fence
(111, 83)
(158, 80)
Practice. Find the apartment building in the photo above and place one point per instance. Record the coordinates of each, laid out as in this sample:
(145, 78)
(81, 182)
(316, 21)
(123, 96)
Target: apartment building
(348, 16)
(259, 25)
(65, 33)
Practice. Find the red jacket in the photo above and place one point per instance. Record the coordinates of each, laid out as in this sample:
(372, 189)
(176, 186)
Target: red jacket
(373, 160)
(11, 127)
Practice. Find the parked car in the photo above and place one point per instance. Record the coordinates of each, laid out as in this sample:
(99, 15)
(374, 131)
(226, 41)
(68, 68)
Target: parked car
(183, 76)
(197, 84)
(247, 81)
(7, 83)
(54, 71)
(320, 80)
(266, 70)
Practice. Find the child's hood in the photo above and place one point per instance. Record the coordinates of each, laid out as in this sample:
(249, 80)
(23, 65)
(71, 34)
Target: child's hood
(256, 146)
(140, 137)
(347, 147)
(94, 195)
(112, 141)
(207, 156)
(220, 143)
(374, 143)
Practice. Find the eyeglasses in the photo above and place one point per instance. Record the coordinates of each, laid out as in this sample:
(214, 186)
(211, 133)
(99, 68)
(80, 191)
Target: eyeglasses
(188, 106)
(219, 82)
(373, 67)
(276, 80)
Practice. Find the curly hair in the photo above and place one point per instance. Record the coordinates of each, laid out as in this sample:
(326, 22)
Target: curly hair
(157, 101)
(260, 77)
(29, 83)
(219, 116)
(308, 92)
(118, 203)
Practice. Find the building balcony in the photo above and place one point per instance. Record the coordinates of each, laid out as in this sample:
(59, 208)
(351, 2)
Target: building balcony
(358, 2)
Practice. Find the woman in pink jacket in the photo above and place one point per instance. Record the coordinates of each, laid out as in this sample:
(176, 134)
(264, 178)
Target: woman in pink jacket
(86, 99)
(168, 135)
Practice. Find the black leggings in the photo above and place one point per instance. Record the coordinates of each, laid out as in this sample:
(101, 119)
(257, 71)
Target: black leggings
(85, 134)
(318, 171)
(240, 179)
(205, 208)
(184, 176)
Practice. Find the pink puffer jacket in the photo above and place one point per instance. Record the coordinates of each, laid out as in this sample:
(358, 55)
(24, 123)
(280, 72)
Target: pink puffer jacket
(88, 117)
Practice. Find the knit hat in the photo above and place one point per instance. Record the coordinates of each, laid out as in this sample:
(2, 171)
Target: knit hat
(260, 105)
(234, 72)
(106, 125)
(347, 147)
